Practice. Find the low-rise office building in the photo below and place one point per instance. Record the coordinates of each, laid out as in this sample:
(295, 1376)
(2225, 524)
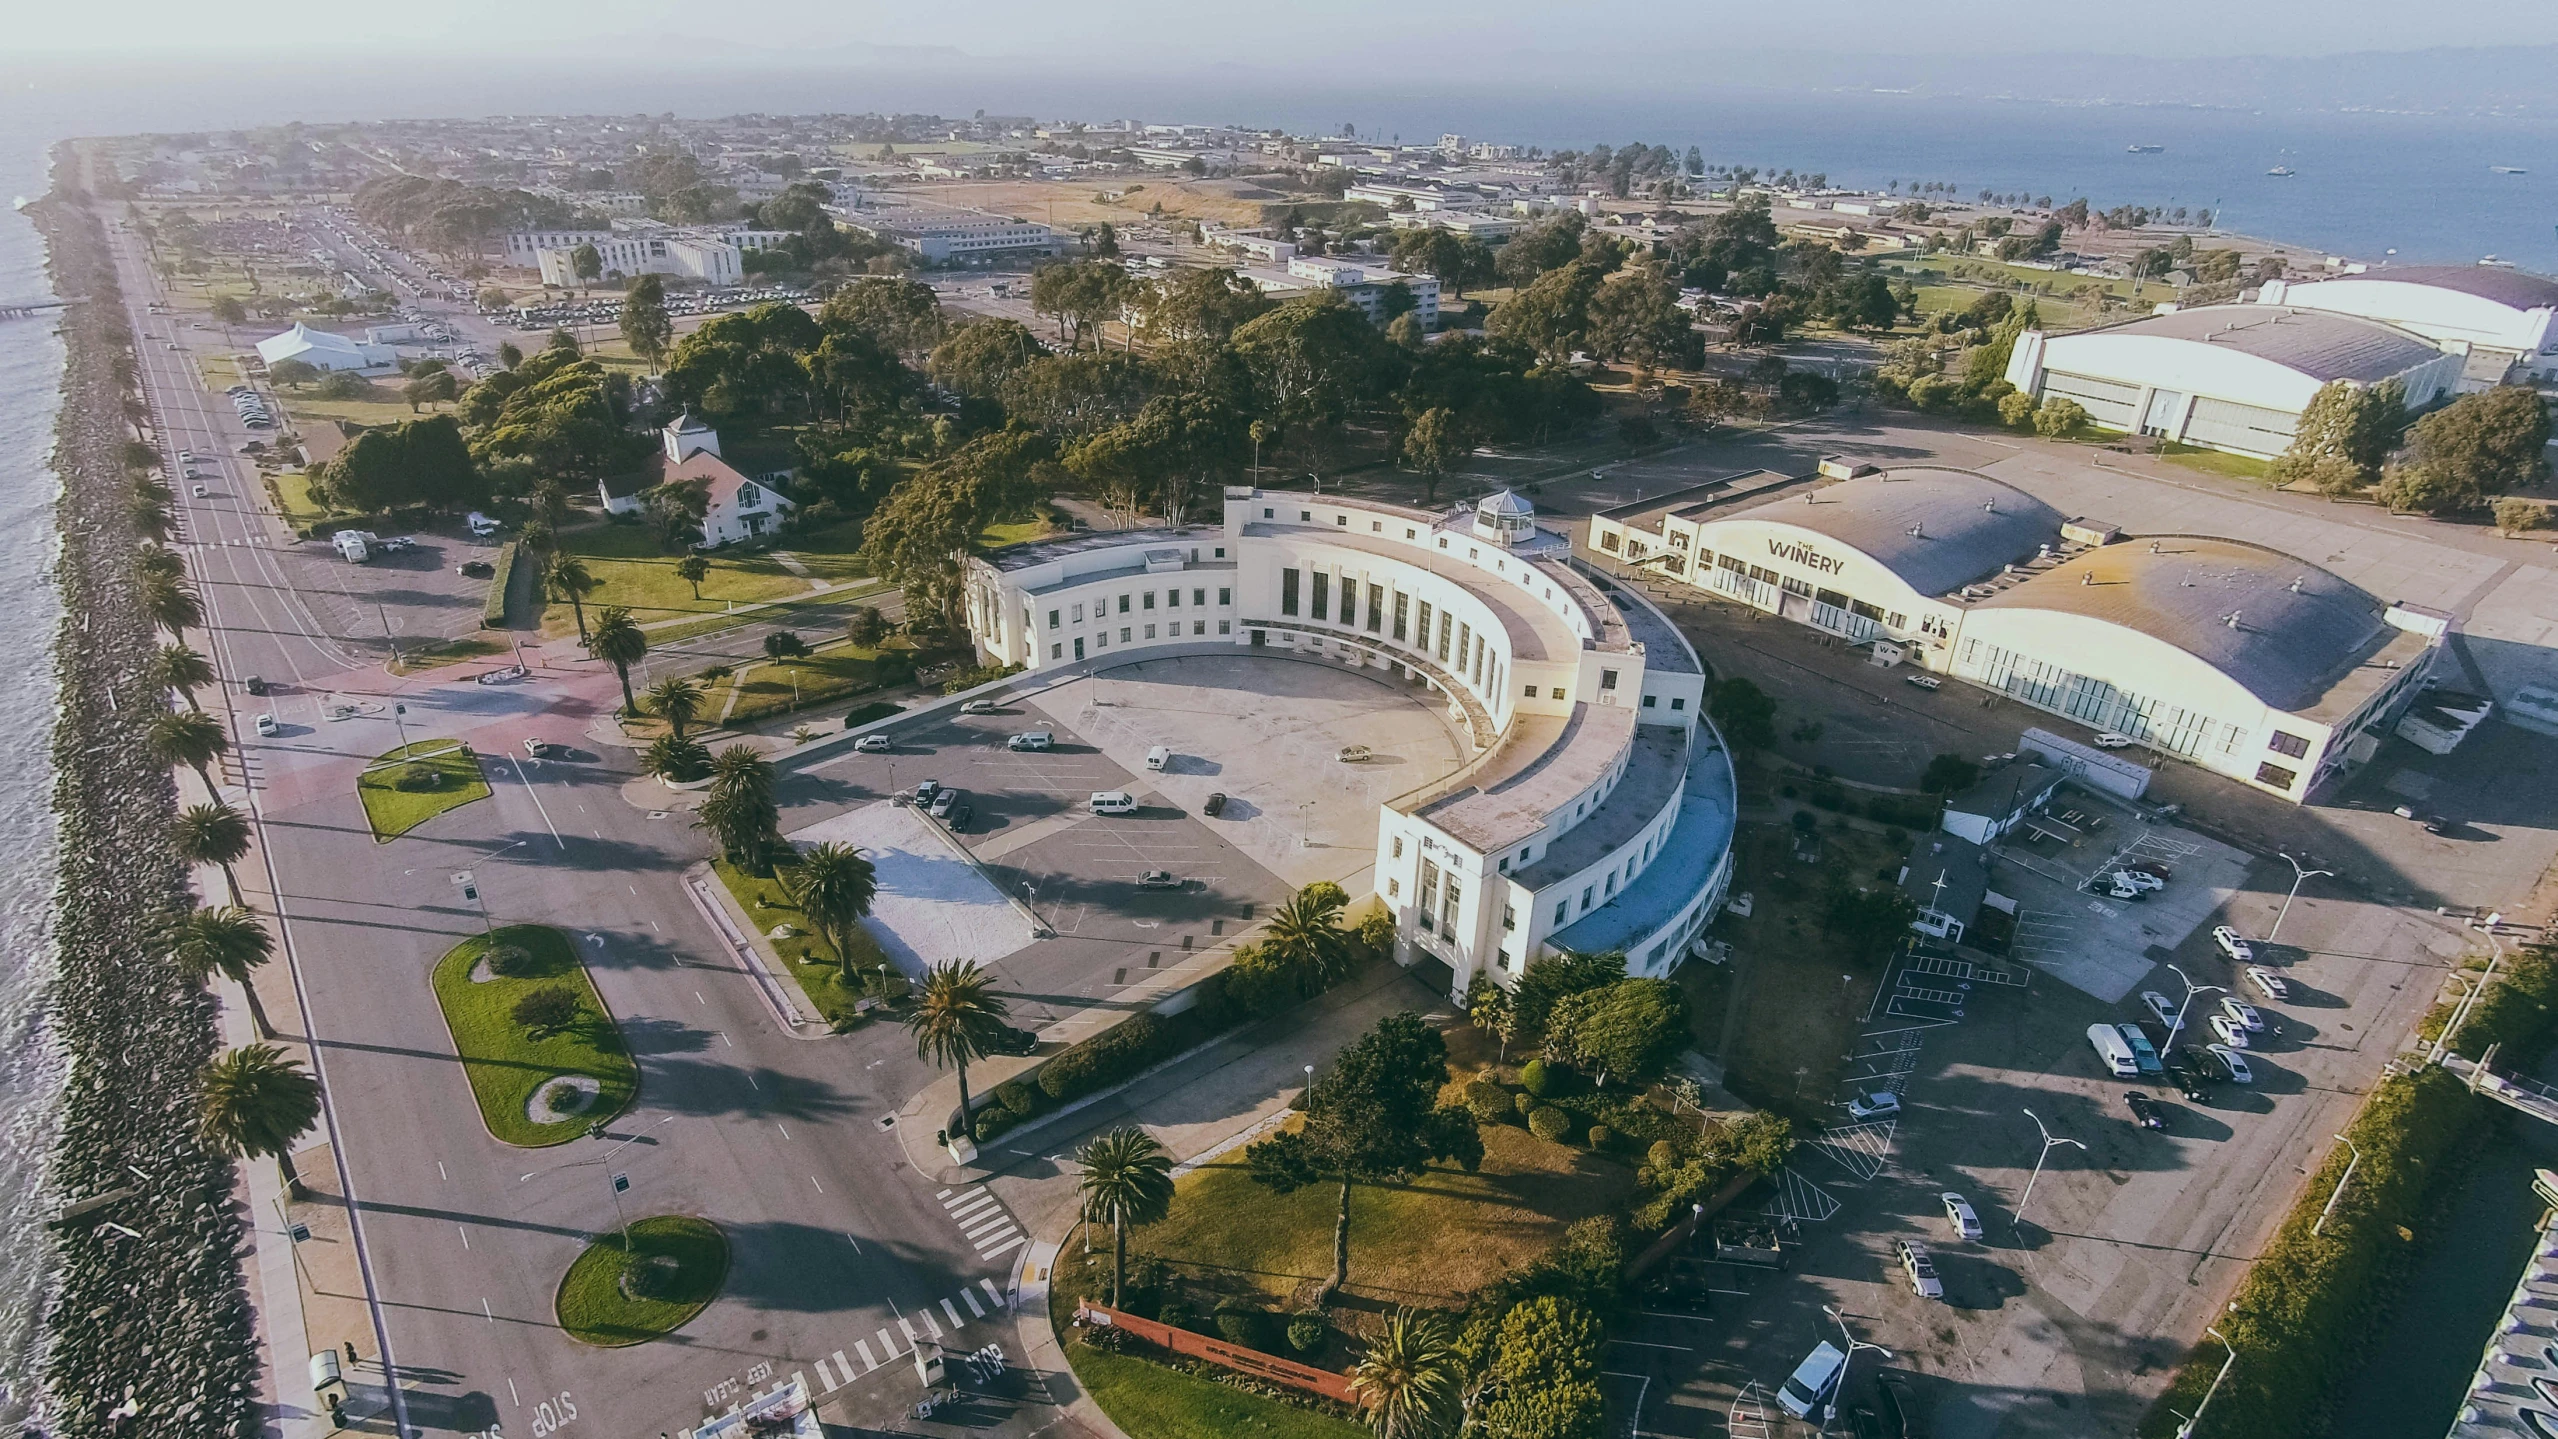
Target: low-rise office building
(1598, 812)
(958, 239)
(2240, 658)
(712, 255)
(1364, 282)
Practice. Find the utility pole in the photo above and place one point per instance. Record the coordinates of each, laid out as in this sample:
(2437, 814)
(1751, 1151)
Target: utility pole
(2191, 989)
(2186, 1429)
(2299, 875)
(2049, 1139)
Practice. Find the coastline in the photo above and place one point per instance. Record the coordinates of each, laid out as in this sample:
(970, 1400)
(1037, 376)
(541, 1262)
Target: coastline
(153, 1320)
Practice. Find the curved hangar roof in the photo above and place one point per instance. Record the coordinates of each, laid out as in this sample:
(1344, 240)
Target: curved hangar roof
(2297, 628)
(1939, 530)
(2317, 343)
(2518, 289)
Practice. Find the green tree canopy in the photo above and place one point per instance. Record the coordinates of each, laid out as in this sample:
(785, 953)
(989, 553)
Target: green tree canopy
(414, 462)
(646, 327)
(1629, 1031)
(2488, 443)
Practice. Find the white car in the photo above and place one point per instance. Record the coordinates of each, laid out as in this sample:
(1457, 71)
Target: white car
(1920, 1268)
(267, 726)
(2111, 740)
(2268, 983)
(874, 743)
(1959, 1213)
(2163, 1007)
(978, 707)
(2231, 1032)
(2243, 1012)
(2140, 879)
(2228, 942)
(1882, 1104)
(201, 492)
(2233, 1064)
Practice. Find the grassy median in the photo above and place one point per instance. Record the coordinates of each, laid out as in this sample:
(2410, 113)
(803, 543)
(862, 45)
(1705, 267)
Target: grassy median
(405, 787)
(508, 1065)
(671, 1271)
(767, 905)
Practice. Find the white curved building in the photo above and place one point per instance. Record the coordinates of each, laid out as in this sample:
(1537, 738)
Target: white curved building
(2499, 318)
(2225, 377)
(1597, 810)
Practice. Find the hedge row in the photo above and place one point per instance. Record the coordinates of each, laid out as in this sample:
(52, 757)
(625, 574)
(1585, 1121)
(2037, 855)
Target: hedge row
(493, 610)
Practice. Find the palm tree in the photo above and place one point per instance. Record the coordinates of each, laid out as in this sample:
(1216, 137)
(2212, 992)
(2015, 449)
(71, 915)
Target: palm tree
(676, 701)
(229, 942)
(214, 834)
(571, 580)
(743, 767)
(834, 886)
(1127, 1179)
(171, 605)
(620, 643)
(1306, 937)
(957, 1020)
(183, 670)
(158, 560)
(152, 517)
(1407, 1381)
(692, 570)
(739, 809)
(257, 1102)
(191, 738)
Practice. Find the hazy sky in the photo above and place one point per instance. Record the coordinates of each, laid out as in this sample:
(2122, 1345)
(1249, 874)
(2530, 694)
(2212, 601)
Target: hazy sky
(1510, 37)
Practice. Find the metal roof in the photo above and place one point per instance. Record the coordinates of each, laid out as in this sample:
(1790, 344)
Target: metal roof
(1939, 530)
(2521, 289)
(2318, 343)
(2282, 627)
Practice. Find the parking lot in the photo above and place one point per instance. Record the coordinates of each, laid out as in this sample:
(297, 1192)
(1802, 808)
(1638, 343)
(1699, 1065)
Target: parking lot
(1241, 725)
(2084, 936)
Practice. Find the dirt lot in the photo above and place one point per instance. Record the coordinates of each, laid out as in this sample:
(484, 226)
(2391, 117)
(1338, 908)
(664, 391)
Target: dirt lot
(1073, 204)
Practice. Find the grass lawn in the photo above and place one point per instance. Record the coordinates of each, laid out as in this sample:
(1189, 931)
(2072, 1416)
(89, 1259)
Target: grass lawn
(293, 495)
(631, 569)
(769, 687)
(1425, 1242)
(767, 904)
(395, 811)
(994, 536)
(505, 1064)
(2216, 462)
(828, 611)
(691, 1258)
(446, 652)
(1149, 1401)
(381, 405)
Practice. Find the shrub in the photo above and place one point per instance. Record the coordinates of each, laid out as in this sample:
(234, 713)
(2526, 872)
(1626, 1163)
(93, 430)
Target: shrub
(548, 1010)
(1018, 1097)
(1242, 1324)
(1174, 1311)
(1549, 1123)
(1524, 1104)
(418, 778)
(1535, 1078)
(1308, 1330)
(1104, 1059)
(1662, 1155)
(1600, 1136)
(863, 714)
(994, 1119)
(782, 644)
(1489, 1102)
(501, 579)
(509, 961)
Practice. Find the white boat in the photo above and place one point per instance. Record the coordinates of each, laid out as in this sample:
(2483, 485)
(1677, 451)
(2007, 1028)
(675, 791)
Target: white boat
(2282, 170)
(2507, 170)
(2145, 149)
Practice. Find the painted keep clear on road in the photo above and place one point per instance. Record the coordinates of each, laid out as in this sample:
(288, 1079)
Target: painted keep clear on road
(885, 1346)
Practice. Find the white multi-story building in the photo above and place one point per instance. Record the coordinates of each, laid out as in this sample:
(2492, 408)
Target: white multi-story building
(1364, 282)
(958, 238)
(1598, 812)
(712, 255)
(1425, 198)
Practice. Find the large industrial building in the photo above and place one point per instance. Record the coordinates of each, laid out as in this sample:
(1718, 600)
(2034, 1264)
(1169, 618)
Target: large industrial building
(1597, 814)
(2498, 318)
(2240, 658)
(2226, 377)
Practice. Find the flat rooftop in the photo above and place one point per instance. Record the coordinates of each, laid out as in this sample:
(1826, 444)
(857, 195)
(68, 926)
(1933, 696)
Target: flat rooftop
(1030, 553)
(1665, 650)
(1679, 873)
(1535, 633)
(1654, 770)
(1531, 775)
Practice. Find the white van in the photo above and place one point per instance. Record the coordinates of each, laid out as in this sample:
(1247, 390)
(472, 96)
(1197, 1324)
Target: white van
(481, 525)
(1031, 739)
(1158, 757)
(2110, 1047)
(1113, 801)
(1813, 1381)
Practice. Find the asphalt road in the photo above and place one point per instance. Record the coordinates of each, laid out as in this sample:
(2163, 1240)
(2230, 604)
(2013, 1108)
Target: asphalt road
(838, 1247)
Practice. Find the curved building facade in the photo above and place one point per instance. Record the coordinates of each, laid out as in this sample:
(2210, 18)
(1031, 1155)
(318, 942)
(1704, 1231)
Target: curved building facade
(1596, 811)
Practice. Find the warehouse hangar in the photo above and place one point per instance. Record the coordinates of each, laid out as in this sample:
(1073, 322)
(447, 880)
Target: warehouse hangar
(2499, 318)
(2226, 377)
(2240, 658)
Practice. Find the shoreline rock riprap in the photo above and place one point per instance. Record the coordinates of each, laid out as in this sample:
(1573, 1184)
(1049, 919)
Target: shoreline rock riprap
(157, 1325)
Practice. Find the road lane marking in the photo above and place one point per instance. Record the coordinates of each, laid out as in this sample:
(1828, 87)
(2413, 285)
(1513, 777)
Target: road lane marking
(466, 1236)
(973, 1306)
(1013, 1243)
(843, 1365)
(927, 1317)
(862, 1347)
(439, 1171)
(751, 1084)
(909, 1326)
(991, 1291)
(953, 1311)
(785, 1129)
(484, 1309)
(887, 1345)
(800, 1377)
(812, 1179)
(857, 1244)
(826, 1377)
(997, 1224)
(944, 1194)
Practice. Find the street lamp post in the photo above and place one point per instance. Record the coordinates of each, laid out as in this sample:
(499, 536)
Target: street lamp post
(2300, 876)
(621, 1219)
(2049, 1139)
(1853, 1344)
(2177, 1031)
(2341, 1181)
(2230, 1356)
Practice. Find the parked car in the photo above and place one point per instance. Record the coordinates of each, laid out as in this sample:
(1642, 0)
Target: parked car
(254, 685)
(1960, 1214)
(2113, 888)
(1883, 1104)
(1158, 879)
(2233, 1064)
(2268, 983)
(1925, 682)
(943, 800)
(1920, 1268)
(2436, 824)
(2226, 940)
(874, 744)
(924, 791)
(2140, 879)
(2145, 1110)
(476, 569)
(1903, 1415)
(2231, 1032)
(1813, 1381)
(2163, 1007)
(960, 814)
(2110, 740)
(2243, 1012)
(538, 748)
(1031, 739)
(979, 707)
(1215, 806)
(266, 726)
(200, 492)
(2188, 1077)
(2144, 1053)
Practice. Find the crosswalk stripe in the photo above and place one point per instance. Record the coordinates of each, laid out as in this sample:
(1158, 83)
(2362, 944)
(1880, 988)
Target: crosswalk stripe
(973, 1306)
(1013, 1243)
(862, 1347)
(955, 1321)
(887, 1345)
(945, 1194)
(800, 1378)
(992, 1223)
(827, 1377)
(979, 1205)
(909, 1326)
(927, 1316)
(843, 1366)
(986, 1246)
(991, 1291)
(967, 1197)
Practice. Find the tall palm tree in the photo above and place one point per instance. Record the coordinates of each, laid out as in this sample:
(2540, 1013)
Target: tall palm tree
(739, 809)
(1307, 938)
(957, 1019)
(191, 738)
(151, 516)
(744, 768)
(569, 579)
(183, 670)
(1407, 1381)
(257, 1102)
(834, 886)
(676, 701)
(619, 642)
(214, 834)
(171, 605)
(1127, 1179)
(229, 942)
(158, 560)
